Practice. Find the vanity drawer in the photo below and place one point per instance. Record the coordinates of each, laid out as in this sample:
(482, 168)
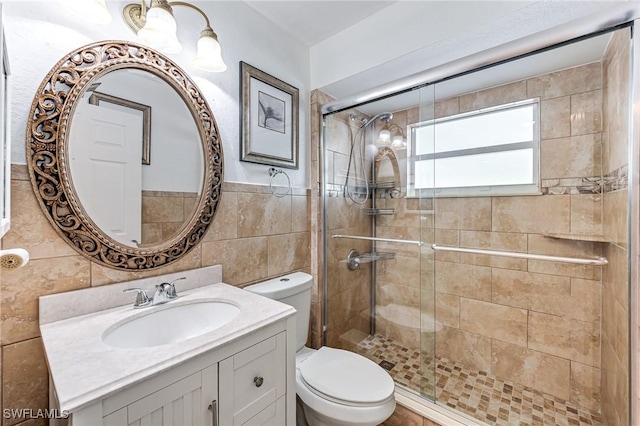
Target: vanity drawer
(252, 380)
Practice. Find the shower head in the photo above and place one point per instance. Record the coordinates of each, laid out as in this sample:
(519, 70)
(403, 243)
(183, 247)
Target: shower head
(383, 116)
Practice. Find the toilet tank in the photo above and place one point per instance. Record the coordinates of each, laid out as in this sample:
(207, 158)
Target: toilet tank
(294, 290)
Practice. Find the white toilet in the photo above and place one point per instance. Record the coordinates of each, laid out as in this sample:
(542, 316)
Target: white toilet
(336, 387)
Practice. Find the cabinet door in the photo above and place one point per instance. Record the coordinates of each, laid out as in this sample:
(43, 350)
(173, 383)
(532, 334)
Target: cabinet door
(183, 403)
(252, 380)
(273, 415)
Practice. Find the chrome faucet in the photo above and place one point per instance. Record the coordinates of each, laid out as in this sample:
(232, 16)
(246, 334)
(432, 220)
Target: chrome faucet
(170, 288)
(164, 293)
(142, 300)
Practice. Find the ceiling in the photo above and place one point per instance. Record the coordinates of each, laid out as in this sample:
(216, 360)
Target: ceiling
(568, 56)
(314, 21)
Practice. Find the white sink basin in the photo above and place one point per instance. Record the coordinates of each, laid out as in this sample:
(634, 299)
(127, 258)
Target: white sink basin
(170, 325)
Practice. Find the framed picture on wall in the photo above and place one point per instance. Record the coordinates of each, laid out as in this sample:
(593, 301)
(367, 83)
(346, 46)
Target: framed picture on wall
(268, 119)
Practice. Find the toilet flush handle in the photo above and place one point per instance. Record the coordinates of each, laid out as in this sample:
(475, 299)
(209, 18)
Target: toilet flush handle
(258, 380)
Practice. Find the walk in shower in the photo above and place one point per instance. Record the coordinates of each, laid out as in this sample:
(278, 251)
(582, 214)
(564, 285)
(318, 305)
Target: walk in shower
(476, 236)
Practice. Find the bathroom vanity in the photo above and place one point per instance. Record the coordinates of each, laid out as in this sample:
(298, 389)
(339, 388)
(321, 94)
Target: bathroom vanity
(234, 369)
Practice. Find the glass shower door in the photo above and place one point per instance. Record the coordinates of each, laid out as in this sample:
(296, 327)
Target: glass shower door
(525, 152)
(347, 307)
(420, 178)
(379, 265)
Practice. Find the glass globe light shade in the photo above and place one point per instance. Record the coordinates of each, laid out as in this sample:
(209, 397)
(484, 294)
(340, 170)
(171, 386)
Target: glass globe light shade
(159, 31)
(209, 55)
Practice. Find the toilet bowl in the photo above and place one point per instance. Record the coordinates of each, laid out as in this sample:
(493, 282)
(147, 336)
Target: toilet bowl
(335, 387)
(339, 387)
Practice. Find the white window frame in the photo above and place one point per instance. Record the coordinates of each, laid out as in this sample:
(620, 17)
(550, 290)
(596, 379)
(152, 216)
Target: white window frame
(494, 190)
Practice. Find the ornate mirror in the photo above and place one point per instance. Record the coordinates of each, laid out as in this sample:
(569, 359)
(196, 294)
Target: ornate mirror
(124, 155)
(387, 172)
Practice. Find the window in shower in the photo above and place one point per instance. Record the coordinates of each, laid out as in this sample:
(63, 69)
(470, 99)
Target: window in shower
(493, 151)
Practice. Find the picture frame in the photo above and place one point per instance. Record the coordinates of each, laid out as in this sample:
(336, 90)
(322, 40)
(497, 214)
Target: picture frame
(97, 97)
(268, 119)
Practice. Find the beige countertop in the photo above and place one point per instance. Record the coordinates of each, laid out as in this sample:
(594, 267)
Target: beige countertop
(84, 369)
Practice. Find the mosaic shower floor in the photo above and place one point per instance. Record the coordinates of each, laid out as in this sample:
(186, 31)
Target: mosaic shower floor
(474, 393)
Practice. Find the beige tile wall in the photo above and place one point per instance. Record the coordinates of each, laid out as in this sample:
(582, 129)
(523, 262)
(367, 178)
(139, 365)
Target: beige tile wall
(164, 213)
(534, 322)
(254, 236)
(615, 290)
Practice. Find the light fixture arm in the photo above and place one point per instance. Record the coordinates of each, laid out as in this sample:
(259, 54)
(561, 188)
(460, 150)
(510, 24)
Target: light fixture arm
(208, 31)
(154, 3)
(156, 27)
(135, 15)
(197, 9)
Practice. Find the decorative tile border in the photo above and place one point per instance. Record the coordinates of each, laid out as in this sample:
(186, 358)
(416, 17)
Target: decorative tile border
(618, 179)
(572, 186)
(614, 181)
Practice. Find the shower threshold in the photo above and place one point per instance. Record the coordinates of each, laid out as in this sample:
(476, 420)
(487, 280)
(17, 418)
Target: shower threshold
(476, 394)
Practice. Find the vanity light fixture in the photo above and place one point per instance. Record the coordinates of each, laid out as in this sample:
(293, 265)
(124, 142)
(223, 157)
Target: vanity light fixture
(156, 27)
(384, 137)
(398, 141)
(94, 11)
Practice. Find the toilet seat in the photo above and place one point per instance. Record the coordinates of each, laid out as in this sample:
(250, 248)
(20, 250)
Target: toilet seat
(346, 378)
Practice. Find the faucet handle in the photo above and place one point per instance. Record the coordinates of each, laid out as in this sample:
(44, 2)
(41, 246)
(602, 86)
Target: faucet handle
(171, 289)
(142, 299)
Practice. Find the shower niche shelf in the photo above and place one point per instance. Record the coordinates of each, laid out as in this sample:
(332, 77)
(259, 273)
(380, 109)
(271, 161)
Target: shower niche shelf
(382, 185)
(580, 237)
(355, 258)
(378, 212)
(386, 189)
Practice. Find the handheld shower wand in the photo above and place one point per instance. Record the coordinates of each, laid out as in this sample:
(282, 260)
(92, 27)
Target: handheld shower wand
(383, 116)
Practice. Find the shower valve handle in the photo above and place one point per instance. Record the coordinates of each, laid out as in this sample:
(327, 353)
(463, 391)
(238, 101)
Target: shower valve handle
(353, 260)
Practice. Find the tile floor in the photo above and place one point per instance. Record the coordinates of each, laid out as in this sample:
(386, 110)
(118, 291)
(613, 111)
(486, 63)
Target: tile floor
(474, 393)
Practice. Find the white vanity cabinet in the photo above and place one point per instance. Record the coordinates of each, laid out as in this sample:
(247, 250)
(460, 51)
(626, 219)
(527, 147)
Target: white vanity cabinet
(243, 369)
(184, 402)
(243, 383)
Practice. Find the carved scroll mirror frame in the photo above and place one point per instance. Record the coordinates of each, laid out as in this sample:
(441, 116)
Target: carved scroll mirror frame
(48, 149)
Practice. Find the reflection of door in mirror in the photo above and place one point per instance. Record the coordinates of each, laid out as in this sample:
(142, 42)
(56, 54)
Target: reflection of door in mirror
(170, 177)
(105, 153)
